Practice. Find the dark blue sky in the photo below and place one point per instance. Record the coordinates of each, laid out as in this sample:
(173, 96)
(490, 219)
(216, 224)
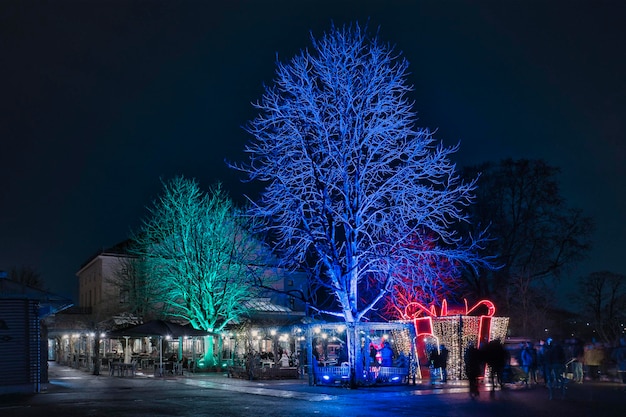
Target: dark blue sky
(100, 99)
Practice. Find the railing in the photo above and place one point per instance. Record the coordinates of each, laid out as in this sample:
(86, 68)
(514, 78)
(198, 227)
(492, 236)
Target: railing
(376, 374)
(265, 372)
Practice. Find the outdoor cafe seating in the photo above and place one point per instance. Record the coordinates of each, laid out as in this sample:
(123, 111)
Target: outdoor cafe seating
(169, 368)
(123, 369)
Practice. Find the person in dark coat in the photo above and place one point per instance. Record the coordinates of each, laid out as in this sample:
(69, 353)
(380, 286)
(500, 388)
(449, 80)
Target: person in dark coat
(443, 363)
(533, 363)
(541, 361)
(433, 364)
(496, 357)
(386, 355)
(473, 361)
(526, 360)
(373, 354)
(554, 357)
(619, 356)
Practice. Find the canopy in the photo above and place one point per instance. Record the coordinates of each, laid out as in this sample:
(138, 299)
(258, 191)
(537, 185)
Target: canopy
(159, 328)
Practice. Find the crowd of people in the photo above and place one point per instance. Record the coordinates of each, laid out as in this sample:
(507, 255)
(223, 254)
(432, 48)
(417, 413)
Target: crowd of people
(550, 363)
(491, 354)
(283, 358)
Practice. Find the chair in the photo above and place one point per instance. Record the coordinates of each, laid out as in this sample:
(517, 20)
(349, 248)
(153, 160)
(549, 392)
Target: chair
(105, 363)
(147, 363)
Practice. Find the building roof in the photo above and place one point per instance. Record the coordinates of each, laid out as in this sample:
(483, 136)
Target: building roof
(49, 303)
(120, 249)
(264, 305)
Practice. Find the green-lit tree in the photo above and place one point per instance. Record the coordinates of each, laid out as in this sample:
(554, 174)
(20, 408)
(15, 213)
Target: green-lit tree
(198, 256)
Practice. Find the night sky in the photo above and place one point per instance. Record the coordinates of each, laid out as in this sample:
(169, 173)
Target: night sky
(101, 99)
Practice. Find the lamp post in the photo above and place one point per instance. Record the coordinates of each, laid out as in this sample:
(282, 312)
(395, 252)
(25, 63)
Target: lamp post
(96, 348)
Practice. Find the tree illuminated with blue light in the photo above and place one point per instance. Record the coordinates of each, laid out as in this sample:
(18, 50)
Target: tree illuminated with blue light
(349, 178)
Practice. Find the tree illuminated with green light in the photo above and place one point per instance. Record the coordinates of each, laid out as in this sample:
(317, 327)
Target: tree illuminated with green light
(198, 254)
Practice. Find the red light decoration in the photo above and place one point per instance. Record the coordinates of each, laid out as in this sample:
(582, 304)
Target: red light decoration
(454, 326)
(422, 327)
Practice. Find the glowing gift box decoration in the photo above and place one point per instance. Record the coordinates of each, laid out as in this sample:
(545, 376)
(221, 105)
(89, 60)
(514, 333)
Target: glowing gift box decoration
(454, 328)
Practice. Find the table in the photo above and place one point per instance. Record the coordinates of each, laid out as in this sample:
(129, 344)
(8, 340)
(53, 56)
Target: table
(147, 363)
(123, 369)
(173, 368)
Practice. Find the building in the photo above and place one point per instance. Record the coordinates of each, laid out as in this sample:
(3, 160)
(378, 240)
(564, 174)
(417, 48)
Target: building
(104, 305)
(98, 282)
(23, 335)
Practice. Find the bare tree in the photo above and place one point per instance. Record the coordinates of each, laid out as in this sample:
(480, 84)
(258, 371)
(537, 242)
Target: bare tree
(139, 295)
(198, 255)
(427, 283)
(349, 179)
(535, 235)
(28, 276)
(603, 298)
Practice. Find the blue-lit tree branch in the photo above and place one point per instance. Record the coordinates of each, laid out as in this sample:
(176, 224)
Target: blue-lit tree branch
(349, 178)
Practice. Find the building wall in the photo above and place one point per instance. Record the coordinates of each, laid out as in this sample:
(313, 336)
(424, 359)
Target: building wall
(288, 288)
(20, 346)
(99, 292)
(96, 281)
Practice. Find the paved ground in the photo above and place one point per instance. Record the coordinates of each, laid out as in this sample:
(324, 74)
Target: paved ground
(74, 392)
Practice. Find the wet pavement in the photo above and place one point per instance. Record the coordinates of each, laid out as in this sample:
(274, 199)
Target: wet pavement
(77, 392)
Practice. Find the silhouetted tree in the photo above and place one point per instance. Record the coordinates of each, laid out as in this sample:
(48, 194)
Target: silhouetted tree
(602, 296)
(534, 234)
(28, 276)
(139, 294)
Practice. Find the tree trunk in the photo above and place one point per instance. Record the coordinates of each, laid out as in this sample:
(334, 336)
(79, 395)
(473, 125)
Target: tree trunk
(355, 354)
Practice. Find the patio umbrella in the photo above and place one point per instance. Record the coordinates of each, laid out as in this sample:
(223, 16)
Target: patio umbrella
(160, 328)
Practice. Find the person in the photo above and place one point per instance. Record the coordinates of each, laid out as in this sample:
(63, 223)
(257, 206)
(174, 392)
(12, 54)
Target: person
(619, 356)
(555, 366)
(315, 351)
(526, 362)
(184, 363)
(578, 355)
(495, 355)
(443, 363)
(533, 363)
(250, 364)
(593, 357)
(472, 360)
(373, 356)
(386, 354)
(284, 360)
(541, 361)
(433, 364)
(342, 355)
(401, 361)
